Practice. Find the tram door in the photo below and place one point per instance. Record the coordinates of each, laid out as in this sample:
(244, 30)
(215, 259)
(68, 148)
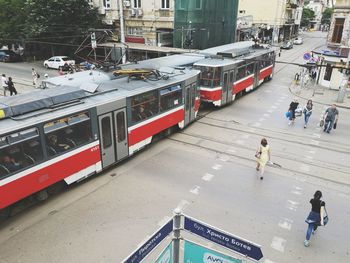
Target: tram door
(113, 137)
(224, 89)
(190, 98)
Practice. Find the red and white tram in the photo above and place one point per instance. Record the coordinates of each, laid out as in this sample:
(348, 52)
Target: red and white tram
(223, 78)
(69, 133)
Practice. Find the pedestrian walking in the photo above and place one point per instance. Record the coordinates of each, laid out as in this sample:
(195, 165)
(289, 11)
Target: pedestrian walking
(315, 217)
(11, 87)
(330, 118)
(307, 112)
(292, 107)
(263, 155)
(4, 84)
(34, 76)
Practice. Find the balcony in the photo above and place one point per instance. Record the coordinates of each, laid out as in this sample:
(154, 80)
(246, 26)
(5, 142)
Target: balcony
(289, 21)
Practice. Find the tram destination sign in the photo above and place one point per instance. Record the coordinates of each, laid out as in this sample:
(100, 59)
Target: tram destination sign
(238, 245)
(142, 251)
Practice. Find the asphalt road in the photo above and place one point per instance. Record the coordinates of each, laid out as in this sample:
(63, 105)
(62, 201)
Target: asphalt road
(207, 170)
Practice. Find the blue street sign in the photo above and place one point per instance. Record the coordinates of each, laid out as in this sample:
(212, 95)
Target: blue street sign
(307, 56)
(229, 241)
(150, 244)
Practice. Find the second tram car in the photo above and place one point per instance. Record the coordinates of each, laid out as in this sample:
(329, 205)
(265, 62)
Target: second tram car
(68, 133)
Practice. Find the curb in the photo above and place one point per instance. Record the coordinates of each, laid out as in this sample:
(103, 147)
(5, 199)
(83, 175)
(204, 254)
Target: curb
(322, 103)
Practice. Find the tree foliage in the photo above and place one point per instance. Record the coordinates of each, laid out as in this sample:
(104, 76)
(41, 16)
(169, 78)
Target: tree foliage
(308, 15)
(326, 16)
(12, 17)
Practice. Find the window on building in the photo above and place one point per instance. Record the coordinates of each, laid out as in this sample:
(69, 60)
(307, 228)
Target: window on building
(182, 4)
(137, 3)
(19, 150)
(165, 4)
(338, 30)
(198, 4)
(107, 4)
(136, 31)
(67, 133)
(144, 106)
(170, 97)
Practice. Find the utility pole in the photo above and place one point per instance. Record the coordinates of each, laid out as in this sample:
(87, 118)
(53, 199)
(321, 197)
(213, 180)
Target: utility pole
(122, 34)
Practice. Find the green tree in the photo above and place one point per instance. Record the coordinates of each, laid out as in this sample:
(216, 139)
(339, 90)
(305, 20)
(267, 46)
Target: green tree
(59, 25)
(326, 16)
(12, 17)
(308, 15)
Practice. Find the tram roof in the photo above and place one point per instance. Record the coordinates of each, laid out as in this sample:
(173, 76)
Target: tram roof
(215, 62)
(43, 102)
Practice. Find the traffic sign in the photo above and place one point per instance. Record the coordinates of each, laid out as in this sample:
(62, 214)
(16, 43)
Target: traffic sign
(227, 240)
(200, 254)
(167, 255)
(307, 56)
(140, 253)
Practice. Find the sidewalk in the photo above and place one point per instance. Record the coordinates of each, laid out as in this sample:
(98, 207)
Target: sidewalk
(320, 94)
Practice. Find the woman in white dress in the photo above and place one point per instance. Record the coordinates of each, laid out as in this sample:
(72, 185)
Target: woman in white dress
(263, 156)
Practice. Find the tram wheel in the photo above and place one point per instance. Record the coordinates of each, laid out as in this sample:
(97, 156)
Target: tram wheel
(41, 195)
(5, 213)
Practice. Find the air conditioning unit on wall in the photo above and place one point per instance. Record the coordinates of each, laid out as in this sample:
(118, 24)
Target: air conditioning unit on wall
(127, 3)
(132, 12)
(139, 12)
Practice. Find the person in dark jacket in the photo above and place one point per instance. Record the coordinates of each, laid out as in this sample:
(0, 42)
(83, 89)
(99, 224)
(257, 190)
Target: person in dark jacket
(11, 87)
(292, 107)
(315, 217)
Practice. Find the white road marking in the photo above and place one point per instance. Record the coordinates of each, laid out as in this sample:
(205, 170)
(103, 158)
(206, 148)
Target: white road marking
(304, 168)
(278, 243)
(298, 188)
(285, 223)
(182, 205)
(216, 166)
(245, 136)
(316, 135)
(257, 124)
(224, 157)
(240, 142)
(273, 107)
(261, 119)
(207, 177)
(266, 115)
(292, 205)
(296, 192)
(312, 151)
(270, 111)
(309, 157)
(164, 220)
(314, 142)
(195, 190)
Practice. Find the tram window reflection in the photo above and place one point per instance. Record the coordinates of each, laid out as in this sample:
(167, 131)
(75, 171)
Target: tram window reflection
(67, 133)
(250, 69)
(144, 106)
(170, 97)
(25, 150)
(241, 73)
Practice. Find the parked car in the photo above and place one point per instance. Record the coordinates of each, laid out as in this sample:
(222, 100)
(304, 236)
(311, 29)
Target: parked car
(298, 41)
(9, 56)
(287, 45)
(58, 62)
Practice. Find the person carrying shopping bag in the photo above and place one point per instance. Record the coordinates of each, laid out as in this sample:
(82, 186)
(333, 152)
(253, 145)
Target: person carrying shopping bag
(307, 112)
(292, 107)
(262, 155)
(316, 217)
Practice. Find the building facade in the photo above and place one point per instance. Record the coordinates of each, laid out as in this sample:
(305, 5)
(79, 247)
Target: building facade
(318, 6)
(336, 52)
(273, 20)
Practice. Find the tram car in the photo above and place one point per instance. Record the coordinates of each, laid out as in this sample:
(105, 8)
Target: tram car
(84, 126)
(222, 79)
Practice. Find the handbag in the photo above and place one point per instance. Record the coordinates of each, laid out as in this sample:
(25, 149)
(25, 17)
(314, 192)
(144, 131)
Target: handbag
(335, 125)
(288, 114)
(325, 217)
(258, 154)
(321, 123)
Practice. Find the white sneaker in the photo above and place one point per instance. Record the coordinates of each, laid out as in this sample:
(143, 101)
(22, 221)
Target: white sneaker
(289, 123)
(306, 243)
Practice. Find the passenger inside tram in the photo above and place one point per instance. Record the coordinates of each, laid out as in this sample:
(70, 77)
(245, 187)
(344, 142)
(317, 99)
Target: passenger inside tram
(11, 164)
(58, 147)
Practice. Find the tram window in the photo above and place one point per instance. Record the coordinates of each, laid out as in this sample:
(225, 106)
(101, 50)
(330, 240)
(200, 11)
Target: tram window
(25, 150)
(106, 132)
(217, 76)
(120, 120)
(187, 103)
(206, 76)
(250, 69)
(67, 133)
(144, 106)
(193, 94)
(170, 97)
(231, 77)
(241, 73)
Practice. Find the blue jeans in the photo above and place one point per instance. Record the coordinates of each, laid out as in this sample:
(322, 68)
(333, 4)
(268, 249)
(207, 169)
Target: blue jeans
(307, 117)
(313, 221)
(312, 226)
(328, 125)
